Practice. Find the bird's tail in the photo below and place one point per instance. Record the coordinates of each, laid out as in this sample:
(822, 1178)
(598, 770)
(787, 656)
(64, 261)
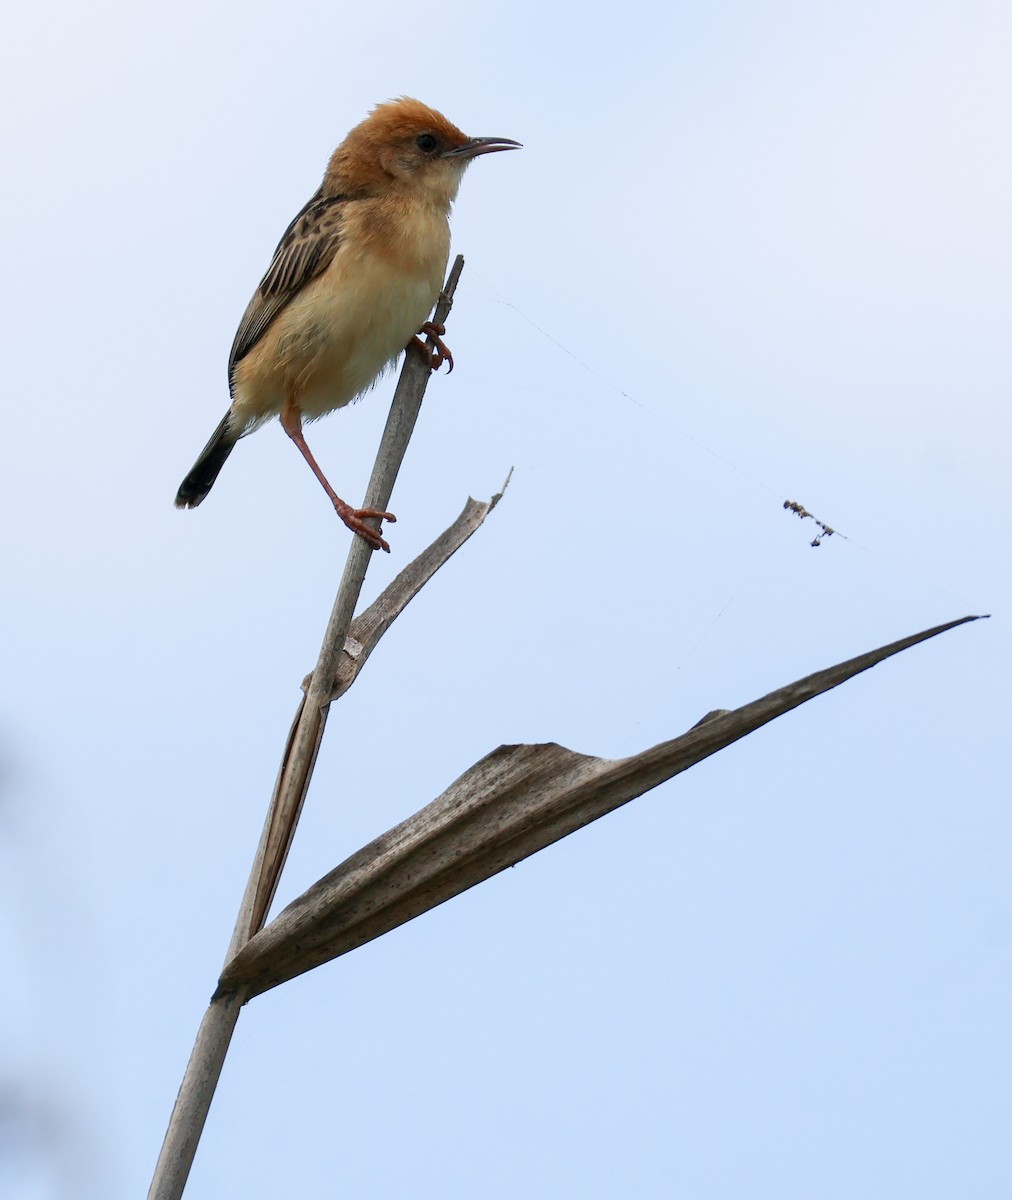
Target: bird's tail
(205, 470)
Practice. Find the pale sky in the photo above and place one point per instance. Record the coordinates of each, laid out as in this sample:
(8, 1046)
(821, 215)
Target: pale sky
(749, 253)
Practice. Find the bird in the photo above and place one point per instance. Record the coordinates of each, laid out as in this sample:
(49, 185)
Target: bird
(351, 285)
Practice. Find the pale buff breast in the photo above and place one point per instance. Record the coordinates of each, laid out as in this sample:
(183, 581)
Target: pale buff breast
(336, 336)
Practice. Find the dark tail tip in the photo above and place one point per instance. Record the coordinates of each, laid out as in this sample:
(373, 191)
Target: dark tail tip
(205, 470)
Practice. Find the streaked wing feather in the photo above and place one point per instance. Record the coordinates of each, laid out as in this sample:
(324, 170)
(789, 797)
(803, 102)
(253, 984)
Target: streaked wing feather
(304, 252)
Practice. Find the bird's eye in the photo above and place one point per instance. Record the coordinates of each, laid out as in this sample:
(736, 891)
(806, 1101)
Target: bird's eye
(426, 142)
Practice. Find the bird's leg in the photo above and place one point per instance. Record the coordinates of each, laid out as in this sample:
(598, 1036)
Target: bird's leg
(436, 352)
(354, 518)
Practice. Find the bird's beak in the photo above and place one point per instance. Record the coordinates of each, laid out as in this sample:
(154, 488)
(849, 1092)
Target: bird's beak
(476, 146)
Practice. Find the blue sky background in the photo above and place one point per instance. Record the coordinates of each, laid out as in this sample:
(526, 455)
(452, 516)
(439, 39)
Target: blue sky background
(749, 253)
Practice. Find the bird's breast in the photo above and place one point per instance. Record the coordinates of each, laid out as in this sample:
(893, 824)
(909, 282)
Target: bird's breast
(334, 338)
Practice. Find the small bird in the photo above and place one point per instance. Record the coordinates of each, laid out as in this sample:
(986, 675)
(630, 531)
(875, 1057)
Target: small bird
(350, 286)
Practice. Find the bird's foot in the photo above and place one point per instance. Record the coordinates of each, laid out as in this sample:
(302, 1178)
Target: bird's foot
(434, 350)
(355, 519)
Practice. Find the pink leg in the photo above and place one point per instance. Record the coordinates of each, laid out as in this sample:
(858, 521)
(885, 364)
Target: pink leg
(354, 518)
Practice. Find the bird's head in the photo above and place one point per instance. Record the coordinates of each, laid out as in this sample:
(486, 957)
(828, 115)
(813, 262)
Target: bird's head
(404, 146)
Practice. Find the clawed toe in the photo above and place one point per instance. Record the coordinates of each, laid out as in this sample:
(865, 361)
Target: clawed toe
(434, 350)
(355, 519)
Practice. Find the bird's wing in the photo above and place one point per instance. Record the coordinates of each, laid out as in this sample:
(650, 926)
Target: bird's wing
(306, 250)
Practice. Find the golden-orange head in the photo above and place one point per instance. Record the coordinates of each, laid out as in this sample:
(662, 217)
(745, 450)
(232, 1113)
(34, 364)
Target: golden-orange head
(405, 146)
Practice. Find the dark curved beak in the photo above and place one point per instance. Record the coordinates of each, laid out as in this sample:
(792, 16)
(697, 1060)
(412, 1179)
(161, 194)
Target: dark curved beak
(475, 146)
